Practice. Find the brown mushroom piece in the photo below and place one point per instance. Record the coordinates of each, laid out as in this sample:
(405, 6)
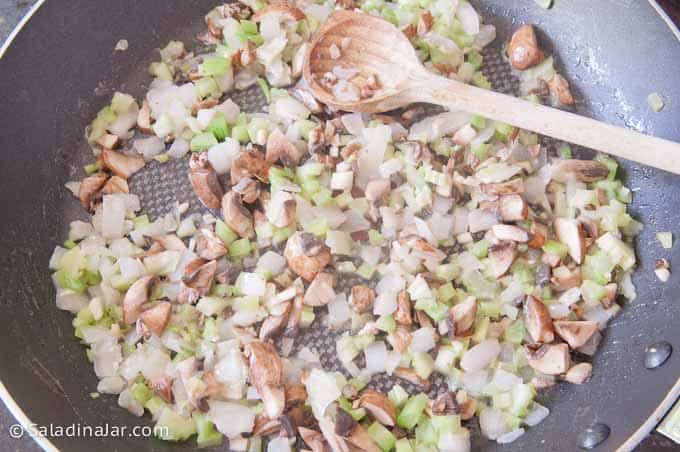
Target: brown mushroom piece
(378, 406)
(501, 256)
(114, 185)
(264, 426)
(513, 208)
(122, 165)
(266, 374)
(279, 147)
(274, 325)
(564, 279)
(320, 292)
(362, 298)
(402, 316)
(135, 297)
(90, 190)
(575, 332)
(163, 387)
(306, 255)
(209, 246)
(286, 9)
(550, 359)
(360, 439)
(199, 275)
(523, 50)
(156, 318)
(280, 209)
(144, 118)
(108, 141)
(461, 317)
(204, 181)
(250, 163)
(579, 373)
(538, 235)
(579, 170)
(377, 189)
(169, 242)
(249, 189)
(400, 339)
(510, 232)
(609, 296)
(538, 322)
(511, 187)
(237, 216)
(295, 315)
(412, 377)
(570, 233)
(313, 439)
(559, 89)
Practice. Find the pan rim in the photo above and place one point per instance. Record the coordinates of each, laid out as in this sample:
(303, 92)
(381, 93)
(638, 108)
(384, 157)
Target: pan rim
(628, 445)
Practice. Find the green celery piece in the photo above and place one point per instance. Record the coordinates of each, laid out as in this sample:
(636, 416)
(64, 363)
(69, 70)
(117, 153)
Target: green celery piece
(214, 66)
(203, 142)
(409, 415)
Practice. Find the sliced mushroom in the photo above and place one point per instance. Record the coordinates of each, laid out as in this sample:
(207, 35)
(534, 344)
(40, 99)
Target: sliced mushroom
(580, 170)
(90, 190)
(163, 387)
(265, 426)
(306, 255)
(542, 382)
(320, 292)
(237, 216)
(538, 322)
(108, 141)
(295, 314)
(209, 246)
(122, 165)
(266, 374)
(144, 118)
(362, 298)
(274, 325)
(285, 9)
(523, 49)
(377, 189)
(360, 439)
(249, 189)
(538, 234)
(204, 181)
(344, 423)
(464, 135)
(511, 187)
(295, 395)
(199, 275)
(135, 297)
(114, 185)
(402, 316)
(502, 255)
(510, 232)
(400, 339)
(550, 359)
(279, 147)
(250, 163)
(336, 442)
(513, 208)
(575, 332)
(169, 242)
(559, 89)
(564, 279)
(570, 233)
(156, 318)
(378, 406)
(313, 439)
(589, 226)
(662, 269)
(610, 295)
(412, 377)
(579, 373)
(461, 317)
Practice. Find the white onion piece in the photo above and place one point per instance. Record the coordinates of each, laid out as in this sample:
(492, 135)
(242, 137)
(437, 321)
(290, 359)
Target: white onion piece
(230, 110)
(339, 311)
(376, 357)
(422, 340)
(251, 284)
(231, 419)
(479, 356)
(536, 415)
(482, 220)
(492, 423)
(322, 389)
(509, 437)
(221, 155)
(505, 380)
(468, 17)
(272, 263)
(204, 116)
(354, 124)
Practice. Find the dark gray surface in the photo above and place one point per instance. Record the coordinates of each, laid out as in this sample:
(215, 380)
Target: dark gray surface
(595, 73)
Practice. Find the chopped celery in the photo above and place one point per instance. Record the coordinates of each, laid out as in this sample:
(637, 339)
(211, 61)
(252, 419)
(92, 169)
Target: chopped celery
(240, 133)
(141, 392)
(386, 323)
(404, 445)
(475, 59)
(489, 308)
(666, 239)
(304, 127)
(366, 271)
(409, 415)
(206, 86)
(203, 142)
(104, 118)
(66, 280)
(91, 168)
(356, 413)
(556, 248)
(318, 227)
(161, 158)
(592, 292)
(503, 130)
(522, 396)
(218, 126)
(208, 436)
(565, 152)
(381, 436)
(480, 249)
(423, 364)
(214, 66)
(656, 102)
(515, 332)
(478, 122)
(155, 405)
(264, 86)
(598, 267)
(527, 138)
(121, 103)
(173, 427)
(545, 4)
(375, 238)
(436, 311)
(68, 244)
(480, 150)
(397, 395)
(83, 318)
(480, 80)
(307, 317)
(481, 329)
(161, 71)
(240, 248)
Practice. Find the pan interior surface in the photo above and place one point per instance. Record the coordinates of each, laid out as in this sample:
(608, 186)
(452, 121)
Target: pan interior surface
(55, 78)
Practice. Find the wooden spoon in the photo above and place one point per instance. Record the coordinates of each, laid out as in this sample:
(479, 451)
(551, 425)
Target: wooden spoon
(375, 47)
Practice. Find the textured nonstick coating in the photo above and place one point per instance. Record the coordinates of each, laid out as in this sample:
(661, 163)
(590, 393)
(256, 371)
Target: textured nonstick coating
(62, 69)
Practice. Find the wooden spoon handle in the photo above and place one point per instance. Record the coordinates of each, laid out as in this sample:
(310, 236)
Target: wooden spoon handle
(548, 121)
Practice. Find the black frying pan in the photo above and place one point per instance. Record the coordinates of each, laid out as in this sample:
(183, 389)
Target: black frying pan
(61, 69)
